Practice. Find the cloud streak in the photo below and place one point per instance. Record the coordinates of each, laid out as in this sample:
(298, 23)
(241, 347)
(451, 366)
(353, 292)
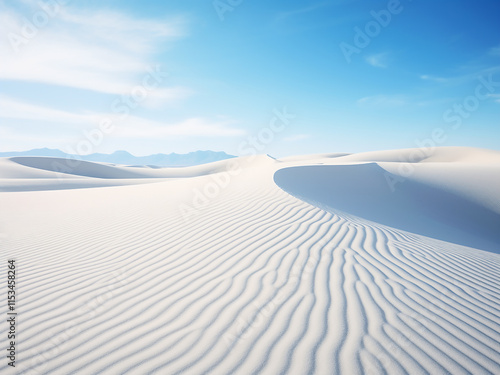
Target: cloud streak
(378, 60)
(125, 126)
(101, 51)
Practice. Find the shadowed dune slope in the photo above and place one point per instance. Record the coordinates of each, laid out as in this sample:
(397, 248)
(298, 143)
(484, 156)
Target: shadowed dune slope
(364, 190)
(48, 173)
(77, 167)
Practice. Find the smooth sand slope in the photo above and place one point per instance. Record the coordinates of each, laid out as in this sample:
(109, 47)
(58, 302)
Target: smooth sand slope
(306, 265)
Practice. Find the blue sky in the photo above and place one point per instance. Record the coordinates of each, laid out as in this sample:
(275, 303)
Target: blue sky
(355, 75)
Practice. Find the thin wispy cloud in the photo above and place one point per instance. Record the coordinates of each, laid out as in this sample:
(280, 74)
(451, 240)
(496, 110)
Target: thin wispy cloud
(382, 101)
(13, 109)
(13, 141)
(379, 60)
(128, 127)
(136, 127)
(495, 97)
(101, 51)
(401, 100)
(471, 75)
(158, 98)
(426, 77)
(495, 51)
(470, 71)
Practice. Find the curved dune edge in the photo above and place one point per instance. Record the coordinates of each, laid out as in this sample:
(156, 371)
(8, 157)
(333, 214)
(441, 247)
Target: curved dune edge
(365, 190)
(118, 280)
(59, 168)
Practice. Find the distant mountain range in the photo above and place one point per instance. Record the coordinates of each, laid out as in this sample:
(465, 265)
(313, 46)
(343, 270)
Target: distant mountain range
(125, 158)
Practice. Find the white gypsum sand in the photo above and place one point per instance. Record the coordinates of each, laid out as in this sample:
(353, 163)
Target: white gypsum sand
(305, 265)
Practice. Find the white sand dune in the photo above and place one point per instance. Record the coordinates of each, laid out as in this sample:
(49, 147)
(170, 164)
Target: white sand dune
(297, 266)
(414, 206)
(25, 173)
